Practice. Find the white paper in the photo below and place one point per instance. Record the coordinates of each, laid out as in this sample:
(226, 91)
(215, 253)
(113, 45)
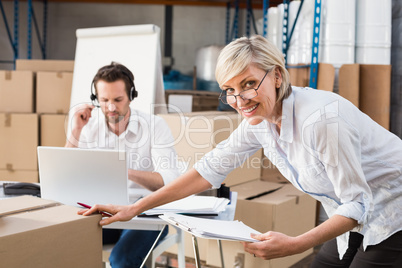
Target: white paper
(192, 204)
(211, 228)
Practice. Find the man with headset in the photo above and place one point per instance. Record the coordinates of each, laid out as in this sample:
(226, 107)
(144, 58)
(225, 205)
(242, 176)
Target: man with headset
(146, 140)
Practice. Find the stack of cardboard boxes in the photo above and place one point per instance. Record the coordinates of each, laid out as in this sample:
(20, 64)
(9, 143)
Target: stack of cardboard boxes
(34, 102)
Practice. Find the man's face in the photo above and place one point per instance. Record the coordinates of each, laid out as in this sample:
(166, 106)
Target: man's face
(113, 100)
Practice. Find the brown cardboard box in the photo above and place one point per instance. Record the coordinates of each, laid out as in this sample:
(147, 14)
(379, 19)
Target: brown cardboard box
(366, 86)
(45, 65)
(300, 77)
(18, 142)
(198, 133)
(19, 175)
(53, 92)
(269, 172)
(199, 100)
(16, 92)
(188, 246)
(286, 210)
(349, 82)
(41, 233)
(53, 129)
(375, 92)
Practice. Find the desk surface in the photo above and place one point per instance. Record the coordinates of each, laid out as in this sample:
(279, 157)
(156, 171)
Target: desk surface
(155, 223)
(152, 223)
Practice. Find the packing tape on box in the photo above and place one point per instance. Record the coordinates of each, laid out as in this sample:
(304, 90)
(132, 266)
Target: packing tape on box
(297, 198)
(8, 75)
(7, 121)
(9, 167)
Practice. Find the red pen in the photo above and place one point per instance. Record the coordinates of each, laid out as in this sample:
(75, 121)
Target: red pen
(104, 213)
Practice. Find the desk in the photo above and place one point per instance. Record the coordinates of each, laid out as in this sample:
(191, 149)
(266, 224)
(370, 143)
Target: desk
(157, 224)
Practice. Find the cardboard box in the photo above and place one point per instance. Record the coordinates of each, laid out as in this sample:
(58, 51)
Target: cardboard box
(185, 101)
(41, 233)
(53, 92)
(300, 77)
(45, 65)
(348, 81)
(286, 210)
(366, 86)
(198, 133)
(375, 92)
(53, 128)
(19, 175)
(269, 172)
(18, 142)
(16, 91)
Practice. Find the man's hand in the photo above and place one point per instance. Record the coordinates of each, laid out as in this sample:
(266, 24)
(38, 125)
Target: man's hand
(81, 116)
(120, 213)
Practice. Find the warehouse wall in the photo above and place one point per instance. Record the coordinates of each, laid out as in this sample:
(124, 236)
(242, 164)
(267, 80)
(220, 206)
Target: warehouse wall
(193, 27)
(396, 62)
(65, 18)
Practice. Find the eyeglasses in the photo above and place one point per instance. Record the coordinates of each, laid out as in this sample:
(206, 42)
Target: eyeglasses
(245, 94)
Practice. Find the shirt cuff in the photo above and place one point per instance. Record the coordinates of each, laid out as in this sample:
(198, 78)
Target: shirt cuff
(354, 210)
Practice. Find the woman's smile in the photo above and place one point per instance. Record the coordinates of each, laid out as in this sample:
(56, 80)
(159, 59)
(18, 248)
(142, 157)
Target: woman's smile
(249, 109)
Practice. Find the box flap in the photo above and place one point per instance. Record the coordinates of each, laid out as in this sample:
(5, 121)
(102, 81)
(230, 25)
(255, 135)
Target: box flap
(253, 188)
(23, 203)
(266, 192)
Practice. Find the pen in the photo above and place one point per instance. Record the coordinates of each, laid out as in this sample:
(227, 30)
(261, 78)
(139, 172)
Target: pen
(104, 213)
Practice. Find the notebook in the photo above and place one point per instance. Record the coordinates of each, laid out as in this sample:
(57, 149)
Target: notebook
(89, 176)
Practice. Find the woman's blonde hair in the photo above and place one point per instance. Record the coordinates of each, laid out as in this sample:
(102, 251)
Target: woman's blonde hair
(238, 55)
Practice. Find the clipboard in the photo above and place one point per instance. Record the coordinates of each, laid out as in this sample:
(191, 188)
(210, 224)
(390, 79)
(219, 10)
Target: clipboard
(211, 228)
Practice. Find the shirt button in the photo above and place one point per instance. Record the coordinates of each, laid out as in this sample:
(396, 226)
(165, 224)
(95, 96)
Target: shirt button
(365, 196)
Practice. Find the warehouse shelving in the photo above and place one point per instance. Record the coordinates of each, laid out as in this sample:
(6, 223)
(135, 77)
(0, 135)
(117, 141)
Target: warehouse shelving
(229, 36)
(286, 36)
(14, 39)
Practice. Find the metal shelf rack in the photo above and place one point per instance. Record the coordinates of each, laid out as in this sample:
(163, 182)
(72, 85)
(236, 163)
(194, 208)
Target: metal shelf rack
(14, 39)
(285, 34)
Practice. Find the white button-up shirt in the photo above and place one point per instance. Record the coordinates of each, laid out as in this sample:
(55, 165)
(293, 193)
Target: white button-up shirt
(146, 145)
(330, 150)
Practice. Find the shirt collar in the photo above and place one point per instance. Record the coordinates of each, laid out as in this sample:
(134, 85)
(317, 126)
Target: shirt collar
(133, 123)
(287, 119)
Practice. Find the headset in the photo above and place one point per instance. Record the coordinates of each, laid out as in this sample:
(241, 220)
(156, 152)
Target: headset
(133, 92)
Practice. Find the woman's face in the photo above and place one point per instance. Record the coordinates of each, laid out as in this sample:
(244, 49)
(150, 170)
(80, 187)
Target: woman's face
(261, 107)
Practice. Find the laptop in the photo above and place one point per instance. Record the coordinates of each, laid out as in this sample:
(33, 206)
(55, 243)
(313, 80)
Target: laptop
(89, 176)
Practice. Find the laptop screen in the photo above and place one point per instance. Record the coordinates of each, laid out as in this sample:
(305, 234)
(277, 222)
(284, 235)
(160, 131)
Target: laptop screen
(90, 176)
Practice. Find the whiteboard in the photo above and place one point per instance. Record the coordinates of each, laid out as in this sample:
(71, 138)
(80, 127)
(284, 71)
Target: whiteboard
(135, 46)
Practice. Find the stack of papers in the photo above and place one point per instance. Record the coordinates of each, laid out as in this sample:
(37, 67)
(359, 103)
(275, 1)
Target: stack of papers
(211, 228)
(192, 205)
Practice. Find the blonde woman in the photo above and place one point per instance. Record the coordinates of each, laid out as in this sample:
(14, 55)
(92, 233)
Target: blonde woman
(321, 143)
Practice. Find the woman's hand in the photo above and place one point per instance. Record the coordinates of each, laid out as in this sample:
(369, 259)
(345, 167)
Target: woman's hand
(119, 213)
(272, 245)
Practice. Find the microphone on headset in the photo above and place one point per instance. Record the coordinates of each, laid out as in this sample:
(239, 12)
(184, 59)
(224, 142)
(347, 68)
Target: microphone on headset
(93, 98)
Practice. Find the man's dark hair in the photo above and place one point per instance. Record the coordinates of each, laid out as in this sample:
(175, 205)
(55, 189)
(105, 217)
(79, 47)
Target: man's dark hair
(114, 72)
